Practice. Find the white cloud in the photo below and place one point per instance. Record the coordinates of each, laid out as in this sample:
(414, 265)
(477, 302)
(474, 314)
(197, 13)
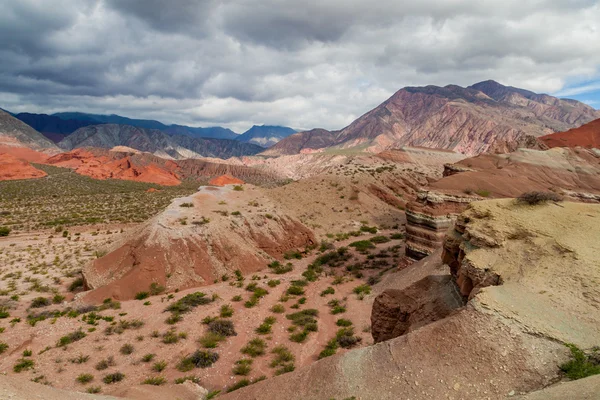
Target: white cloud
(317, 63)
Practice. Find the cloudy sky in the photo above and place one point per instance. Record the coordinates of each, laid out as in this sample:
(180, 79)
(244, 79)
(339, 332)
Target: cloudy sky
(304, 64)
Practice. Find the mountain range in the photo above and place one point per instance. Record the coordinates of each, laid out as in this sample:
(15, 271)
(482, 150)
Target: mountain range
(156, 142)
(15, 133)
(59, 125)
(485, 117)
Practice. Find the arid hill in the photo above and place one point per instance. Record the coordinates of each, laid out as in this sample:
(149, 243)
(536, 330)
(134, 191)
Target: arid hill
(12, 168)
(587, 136)
(15, 133)
(509, 337)
(195, 242)
(484, 117)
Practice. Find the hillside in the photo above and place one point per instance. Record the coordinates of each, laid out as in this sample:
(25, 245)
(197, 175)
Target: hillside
(265, 135)
(587, 136)
(485, 117)
(52, 127)
(155, 142)
(15, 133)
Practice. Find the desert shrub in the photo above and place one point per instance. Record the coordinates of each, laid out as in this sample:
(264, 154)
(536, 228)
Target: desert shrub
(226, 311)
(243, 366)
(327, 291)
(236, 298)
(84, 378)
(283, 360)
(188, 302)
(396, 236)
(292, 254)
(173, 318)
(272, 283)
(330, 349)
(278, 309)
(346, 339)
(210, 340)
(362, 289)
(188, 205)
(380, 239)
(27, 353)
(362, 245)
(295, 291)
(159, 366)
(223, 327)
(4, 313)
(23, 364)
(4, 230)
(255, 347)
(80, 359)
(238, 188)
(368, 229)
(534, 198)
(3, 347)
(148, 357)
(238, 385)
(70, 338)
(94, 389)
(343, 322)
(76, 284)
(142, 295)
(113, 378)
(198, 359)
(40, 302)
(279, 268)
(192, 378)
(483, 192)
(105, 363)
(126, 349)
(581, 365)
(155, 380)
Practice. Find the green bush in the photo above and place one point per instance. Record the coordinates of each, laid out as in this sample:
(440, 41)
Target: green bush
(189, 302)
(198, 359)
(243, 366)
(85, 378)
(379, 239)
(70, 338)
(343, 322)
(40, 302)
(4, 230)
(3, 347)
(581, 365)
(226, 311)
(142, 295)
(155, 380)
(255, 347)
(223, 327)
(113, 378)
(23, 364)
(362, 245)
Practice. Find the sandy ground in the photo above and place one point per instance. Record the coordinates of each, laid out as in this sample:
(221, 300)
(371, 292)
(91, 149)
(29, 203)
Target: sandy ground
(54, 366)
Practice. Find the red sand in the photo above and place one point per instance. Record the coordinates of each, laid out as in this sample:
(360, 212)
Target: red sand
(225, 180)
(587, 136)
(25, 153)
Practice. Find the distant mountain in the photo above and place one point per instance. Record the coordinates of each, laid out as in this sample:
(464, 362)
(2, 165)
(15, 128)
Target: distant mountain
(485, 117)
(111, 119)
(53, 127)
(156, 142)
(265, 135)
(215, 132)
(14, 132)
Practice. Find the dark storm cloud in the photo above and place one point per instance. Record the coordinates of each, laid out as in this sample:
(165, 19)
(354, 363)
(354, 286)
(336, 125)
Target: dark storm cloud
(303, 64)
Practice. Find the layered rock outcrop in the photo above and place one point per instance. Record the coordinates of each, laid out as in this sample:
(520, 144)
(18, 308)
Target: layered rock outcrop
(574, 173)
(195, 241)
(13, 168)
(428, 218)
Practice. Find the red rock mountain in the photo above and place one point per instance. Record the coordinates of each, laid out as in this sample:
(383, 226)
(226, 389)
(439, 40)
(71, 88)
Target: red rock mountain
(587, 136)
(485, 117)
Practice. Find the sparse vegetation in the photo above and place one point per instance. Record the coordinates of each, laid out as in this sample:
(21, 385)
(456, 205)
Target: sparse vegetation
(581, 364)
(535, 198)
(198, 359)
(85, 378)
(283, 360)
(113, 378)
(255, 347)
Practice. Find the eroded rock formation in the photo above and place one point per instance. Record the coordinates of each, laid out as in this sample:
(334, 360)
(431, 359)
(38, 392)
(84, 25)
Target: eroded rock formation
(195, 241)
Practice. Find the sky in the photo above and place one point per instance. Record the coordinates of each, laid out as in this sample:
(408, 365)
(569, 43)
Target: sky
(304, 64)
